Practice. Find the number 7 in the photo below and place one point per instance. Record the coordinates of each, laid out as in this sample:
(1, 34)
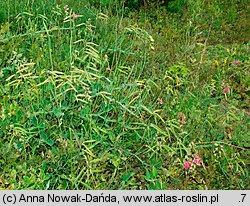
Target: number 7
(244, 195)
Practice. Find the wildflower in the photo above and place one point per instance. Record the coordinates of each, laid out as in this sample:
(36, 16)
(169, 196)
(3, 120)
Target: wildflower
(223, 82)
(197, 159)
(82, 107)
(180, 114)
(75, 16)
(66, 7)
(235, 62)
(160, 100)
(187, 165)
(183, 122)
(226, 90)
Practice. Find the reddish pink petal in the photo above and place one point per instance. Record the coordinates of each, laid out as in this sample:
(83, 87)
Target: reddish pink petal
(182, 122)
(75, 16)
(226, 90)
(197, 161)
(187, 165)
(180, 114)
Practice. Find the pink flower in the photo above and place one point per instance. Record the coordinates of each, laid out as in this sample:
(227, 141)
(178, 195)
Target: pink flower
(223, 82)
(75, 16)
(197, 161)
(82, 107)
(226, 90)
(160, 101)
(187, 165)
(66, 7)
(180, 114)
(235, 62)
(183, 122)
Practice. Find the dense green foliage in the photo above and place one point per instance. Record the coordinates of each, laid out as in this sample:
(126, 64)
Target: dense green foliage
(97, 95)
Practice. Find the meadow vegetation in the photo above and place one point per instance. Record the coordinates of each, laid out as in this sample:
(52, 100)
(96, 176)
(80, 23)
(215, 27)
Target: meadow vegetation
(106, 95)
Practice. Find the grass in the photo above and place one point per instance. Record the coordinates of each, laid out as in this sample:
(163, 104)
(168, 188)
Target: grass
(120, 99)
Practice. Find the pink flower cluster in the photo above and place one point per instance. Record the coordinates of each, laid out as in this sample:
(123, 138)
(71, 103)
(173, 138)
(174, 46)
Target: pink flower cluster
(74, 15)
(196, 161)
(66, 7)
(235, 62)
(226, 90)
(187, 165)
(182, 118)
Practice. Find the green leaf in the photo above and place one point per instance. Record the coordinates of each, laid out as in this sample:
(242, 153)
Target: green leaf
(18, 145)
(58, 112)
(158, 185)
(43, 136)
(148, 176)
(50, 142)
(46, 139)
(151, 186)
(128, 176)
(154, 172)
